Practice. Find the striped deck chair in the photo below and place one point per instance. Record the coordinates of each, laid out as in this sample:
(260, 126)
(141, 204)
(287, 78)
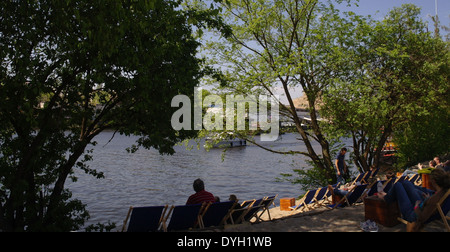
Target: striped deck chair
(305, 201)
(144, 219)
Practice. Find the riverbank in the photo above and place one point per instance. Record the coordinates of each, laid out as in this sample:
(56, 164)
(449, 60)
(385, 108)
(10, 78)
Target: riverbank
(346, 219)
(323, 219)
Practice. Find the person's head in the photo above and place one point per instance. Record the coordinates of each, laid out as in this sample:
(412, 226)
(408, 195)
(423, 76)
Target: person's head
(437, 160)
(440, 178)
(233, 197)
(432, 163)
(199, 185)
(343, 150)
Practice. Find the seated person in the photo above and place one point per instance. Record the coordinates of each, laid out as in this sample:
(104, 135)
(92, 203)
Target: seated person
(236, 213)
(415, 203)
(438, 163)
(342, 190)
(431, 164)
(446, 166)
(233, 198)
(200, 195)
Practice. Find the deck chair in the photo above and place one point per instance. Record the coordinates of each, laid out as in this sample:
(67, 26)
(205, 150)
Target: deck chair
(359, 178)
(329, 195)
(371, 189)
(214, 214)
(235, 214)
(418, 180)
(183, 217)
(374, 173)
(442, 207)
(388, 185)
(252, 211)
(305, 201)
(144, 219)
(352, 197)
(369, 175)
(267, 201)
(319, 197)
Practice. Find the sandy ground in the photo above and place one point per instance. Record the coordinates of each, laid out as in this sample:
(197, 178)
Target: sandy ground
(346, 219)
(322, 219)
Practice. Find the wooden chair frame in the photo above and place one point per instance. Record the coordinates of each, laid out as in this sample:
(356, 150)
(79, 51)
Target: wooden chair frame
(309, 196)
(444, 218)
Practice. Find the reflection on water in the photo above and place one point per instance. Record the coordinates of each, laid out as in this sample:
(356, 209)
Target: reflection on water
(148, 178)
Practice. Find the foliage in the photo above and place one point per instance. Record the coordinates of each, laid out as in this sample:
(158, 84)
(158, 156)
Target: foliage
(395, 71)
(423, 138)
(283, 44)
(71, 69)
(309, 178)
(374, 77)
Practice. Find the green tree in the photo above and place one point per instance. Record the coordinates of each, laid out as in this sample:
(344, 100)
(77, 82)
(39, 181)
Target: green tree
(396, 73)
(71, 69)
(283, 44)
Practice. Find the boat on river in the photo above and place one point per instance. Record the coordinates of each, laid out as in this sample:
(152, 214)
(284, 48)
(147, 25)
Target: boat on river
(224, 140)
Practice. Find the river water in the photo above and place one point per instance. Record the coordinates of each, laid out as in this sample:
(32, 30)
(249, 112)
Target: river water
(146, 178)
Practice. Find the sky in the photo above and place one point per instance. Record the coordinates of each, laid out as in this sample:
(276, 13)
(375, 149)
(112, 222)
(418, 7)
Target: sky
(379, 8)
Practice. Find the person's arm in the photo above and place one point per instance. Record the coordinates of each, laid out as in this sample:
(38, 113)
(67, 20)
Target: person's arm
(337, 167)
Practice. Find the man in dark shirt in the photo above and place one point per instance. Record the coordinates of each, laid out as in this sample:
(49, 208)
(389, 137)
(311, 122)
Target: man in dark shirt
(200, 195)
(341, 166)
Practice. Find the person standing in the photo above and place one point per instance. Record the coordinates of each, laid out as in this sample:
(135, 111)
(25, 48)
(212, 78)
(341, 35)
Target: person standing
(341, 166)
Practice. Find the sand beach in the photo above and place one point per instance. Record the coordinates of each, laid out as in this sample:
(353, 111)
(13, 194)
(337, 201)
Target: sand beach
(322, 219)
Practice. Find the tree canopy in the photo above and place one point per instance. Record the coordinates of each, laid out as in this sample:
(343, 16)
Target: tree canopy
(71, 69)
(373, 78)
(396, 76)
